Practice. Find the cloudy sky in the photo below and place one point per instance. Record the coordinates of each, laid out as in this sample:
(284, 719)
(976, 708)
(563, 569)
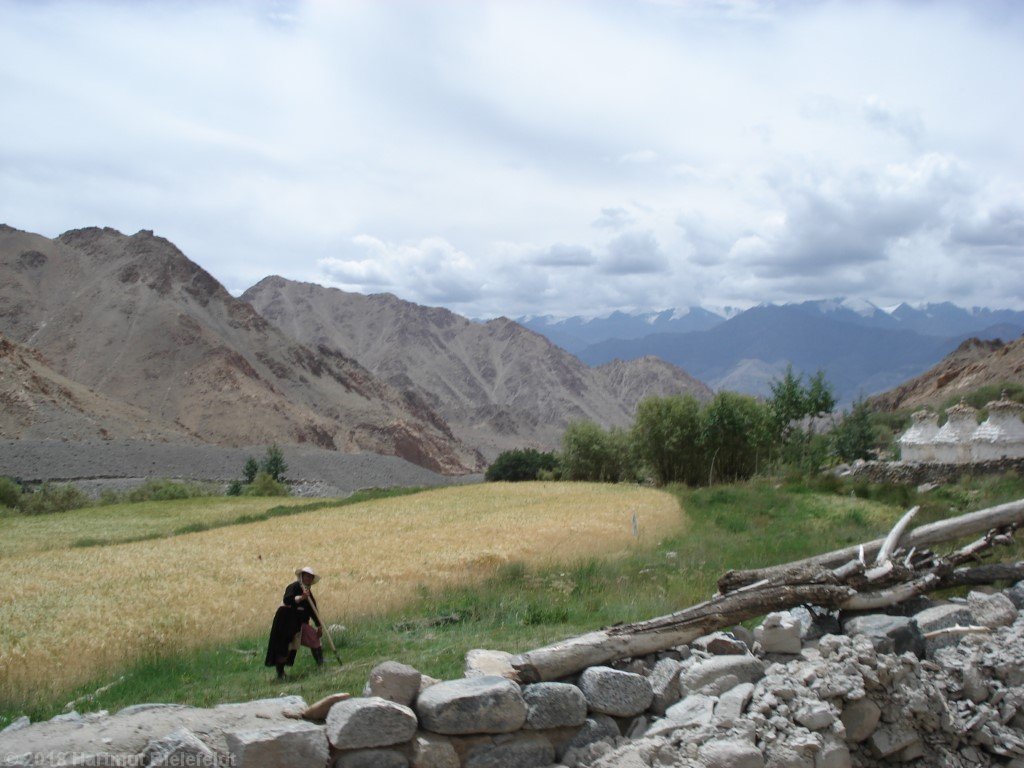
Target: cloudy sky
(553, 157)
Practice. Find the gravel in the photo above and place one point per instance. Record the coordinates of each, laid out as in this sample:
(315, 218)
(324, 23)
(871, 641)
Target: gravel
(123, 464)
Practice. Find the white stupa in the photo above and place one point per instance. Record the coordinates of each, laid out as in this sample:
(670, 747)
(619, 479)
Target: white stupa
(1002, 434)
(952, 443)
(916, 443)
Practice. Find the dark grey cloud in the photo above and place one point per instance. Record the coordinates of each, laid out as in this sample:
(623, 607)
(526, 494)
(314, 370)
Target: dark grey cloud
(561, 255)
(831, 222)
(634, 253)
(1001, 229)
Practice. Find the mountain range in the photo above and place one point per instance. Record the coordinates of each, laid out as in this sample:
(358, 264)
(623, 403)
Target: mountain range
(107, 335)
(862, 349)
(497, 384)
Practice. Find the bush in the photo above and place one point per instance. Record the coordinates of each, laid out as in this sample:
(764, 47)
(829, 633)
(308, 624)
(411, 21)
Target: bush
(265, 485)
(273, 464)
(10, 493)
(235, 487)
(590, 453)
(48, 499)
(166, 490)
(521, 464)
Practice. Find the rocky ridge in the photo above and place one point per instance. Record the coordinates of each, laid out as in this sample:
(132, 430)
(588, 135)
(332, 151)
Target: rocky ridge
(942, 685)
(132, 317)
(497, 384)
(975, 363)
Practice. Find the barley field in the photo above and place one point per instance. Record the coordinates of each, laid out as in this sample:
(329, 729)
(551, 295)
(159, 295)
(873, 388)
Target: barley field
(70, 614)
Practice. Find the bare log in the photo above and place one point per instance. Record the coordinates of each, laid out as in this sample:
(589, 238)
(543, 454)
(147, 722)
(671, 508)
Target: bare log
(806, 582)
(893, 539)
(999, 516)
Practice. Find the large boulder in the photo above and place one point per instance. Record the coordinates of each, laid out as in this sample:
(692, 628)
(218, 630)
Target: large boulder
(371, 758)
(554, 705)
(992, 611)
(779, 633)
(395, 682)
(481, 662)
(288, 745)
(664, 682)
(860, 718)
(180, 747)
(616, 693)
(730, 753)
(888, 634)
(523, 750)
(369, 722)
(487, 704)
(746, 669)
(432, 751)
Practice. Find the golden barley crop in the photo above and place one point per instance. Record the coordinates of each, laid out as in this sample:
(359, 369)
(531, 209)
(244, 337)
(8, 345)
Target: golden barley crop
(68, 615)
(20, 534)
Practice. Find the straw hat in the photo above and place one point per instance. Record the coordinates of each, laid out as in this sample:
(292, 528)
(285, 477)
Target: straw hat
(308, 570)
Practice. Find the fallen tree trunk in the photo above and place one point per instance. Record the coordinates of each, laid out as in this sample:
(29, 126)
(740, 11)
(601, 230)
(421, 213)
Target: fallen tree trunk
(926, 535)
(849, 586)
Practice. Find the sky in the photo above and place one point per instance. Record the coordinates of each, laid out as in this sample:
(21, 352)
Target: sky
(562, 157)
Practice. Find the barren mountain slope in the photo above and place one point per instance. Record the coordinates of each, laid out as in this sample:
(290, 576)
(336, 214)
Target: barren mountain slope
(497, 384)
(38, 403)
(973, 364)
(133, 318)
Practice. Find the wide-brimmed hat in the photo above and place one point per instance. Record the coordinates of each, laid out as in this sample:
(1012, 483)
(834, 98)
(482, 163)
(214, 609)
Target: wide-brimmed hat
(310, 571)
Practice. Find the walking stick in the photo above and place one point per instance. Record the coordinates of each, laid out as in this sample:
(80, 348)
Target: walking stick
(327, 632)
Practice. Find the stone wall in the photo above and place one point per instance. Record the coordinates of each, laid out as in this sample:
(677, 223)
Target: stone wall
(942, 685)
(917, 473)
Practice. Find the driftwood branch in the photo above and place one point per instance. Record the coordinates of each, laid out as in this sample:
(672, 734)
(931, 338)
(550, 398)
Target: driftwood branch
(838, 580)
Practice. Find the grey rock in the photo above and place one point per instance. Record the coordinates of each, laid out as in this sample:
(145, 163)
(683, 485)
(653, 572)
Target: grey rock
(472, 705)
(814, 715)
(815, 622)
(369, 722)
(17, 725)
(943, 617)
(974, 685)
(720, 644)
(288, 745)
(860, 718)
(732, 704)
(371, 758)
(779, 633)
(180, 747)
(992, 611)
(888, 634)
(890, 739)
(747, 669)
(481, 662)
(395, 682)
(664, 682)
(134, 709)
(554, 705)
(611, 692)
(596, 728)
(432, 751)
(697, 709)
(523, 750)
(730, 753)
(833, 754)
(1016, 594)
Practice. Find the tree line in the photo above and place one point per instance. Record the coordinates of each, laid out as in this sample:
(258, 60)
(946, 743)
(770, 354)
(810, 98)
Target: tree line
(678, 439)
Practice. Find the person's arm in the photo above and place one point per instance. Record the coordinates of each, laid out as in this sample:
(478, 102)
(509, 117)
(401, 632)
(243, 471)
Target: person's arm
(315, 615)
(292, 594)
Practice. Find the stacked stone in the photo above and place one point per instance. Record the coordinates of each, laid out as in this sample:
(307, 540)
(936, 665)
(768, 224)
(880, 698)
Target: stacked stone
(807, 689)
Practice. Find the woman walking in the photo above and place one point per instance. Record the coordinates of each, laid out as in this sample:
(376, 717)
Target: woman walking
(291, 624)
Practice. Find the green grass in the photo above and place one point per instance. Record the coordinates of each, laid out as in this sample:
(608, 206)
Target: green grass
(744, 525)
(124, 523)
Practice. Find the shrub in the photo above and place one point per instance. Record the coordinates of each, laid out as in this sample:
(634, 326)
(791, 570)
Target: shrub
(521, 464)
(10, 493)
(273, 464)
(590, 453)
(265, 485)
(235, 488)
(48, 499)
(166, 490)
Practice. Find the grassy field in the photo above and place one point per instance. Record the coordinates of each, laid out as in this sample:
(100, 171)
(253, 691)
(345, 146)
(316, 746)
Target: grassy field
(512, 599)
(70, 614)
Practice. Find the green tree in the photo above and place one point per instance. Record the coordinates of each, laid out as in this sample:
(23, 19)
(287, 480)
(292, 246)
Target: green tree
(273, 464)
(667, 438)
(249, 470)
(520, 464)
(735, 436)
(792, 406)
(591, 453)
(854, 436)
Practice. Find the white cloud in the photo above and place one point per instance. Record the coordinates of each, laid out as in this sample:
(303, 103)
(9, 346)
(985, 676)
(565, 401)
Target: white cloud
(544, 157)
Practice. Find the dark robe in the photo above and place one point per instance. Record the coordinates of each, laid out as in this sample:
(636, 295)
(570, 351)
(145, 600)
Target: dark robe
(288, 621)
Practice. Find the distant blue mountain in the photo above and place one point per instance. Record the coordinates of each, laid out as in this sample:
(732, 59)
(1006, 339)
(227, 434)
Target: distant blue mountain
(577, 333)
